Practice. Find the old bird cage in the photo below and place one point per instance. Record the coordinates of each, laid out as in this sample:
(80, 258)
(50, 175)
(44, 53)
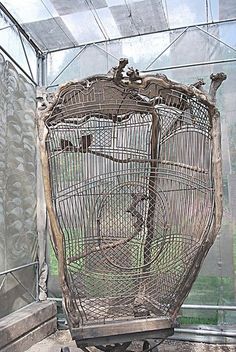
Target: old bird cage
(132, 174)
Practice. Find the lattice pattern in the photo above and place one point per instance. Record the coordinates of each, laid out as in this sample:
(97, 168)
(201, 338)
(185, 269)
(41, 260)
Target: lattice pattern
(131, 180)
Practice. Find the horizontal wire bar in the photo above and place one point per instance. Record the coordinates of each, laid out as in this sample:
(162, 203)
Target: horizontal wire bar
(56, 299)
(222, 333)
(207, 307)
(18, 268)
(184, 306)
(176, 67)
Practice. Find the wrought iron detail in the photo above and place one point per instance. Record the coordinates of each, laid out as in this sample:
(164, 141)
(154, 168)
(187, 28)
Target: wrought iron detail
(132, 172)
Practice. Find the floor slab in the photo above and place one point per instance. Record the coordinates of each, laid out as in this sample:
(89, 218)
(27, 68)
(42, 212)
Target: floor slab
(60, 339)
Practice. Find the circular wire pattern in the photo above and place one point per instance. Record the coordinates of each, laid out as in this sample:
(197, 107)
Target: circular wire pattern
(125, 227)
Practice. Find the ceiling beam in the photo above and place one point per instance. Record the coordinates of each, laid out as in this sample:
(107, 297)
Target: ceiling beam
(144, 34)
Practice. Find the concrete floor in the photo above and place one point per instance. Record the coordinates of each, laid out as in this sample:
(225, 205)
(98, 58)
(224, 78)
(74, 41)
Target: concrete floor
(62, 338)
(54, 343)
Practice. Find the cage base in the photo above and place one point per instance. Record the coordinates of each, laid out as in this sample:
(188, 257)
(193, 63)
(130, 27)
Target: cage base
(122, 332)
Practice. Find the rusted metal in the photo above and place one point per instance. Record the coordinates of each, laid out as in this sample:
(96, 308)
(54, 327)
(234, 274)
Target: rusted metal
(132, 174)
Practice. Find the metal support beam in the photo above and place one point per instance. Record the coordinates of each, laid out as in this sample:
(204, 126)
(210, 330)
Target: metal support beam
(190, 65)
(214, 37)
(37, 281)
(18, 268)
(206, 332)
(3, 281)
(25, 53)
(6, 27)
(42, 70)
(52, 86)
(171, 43)
(76, 56)
(22, 285)
(145, 34)
(106, 52)
(13, 270)
(97, 19)
(207, 307)
(184, 306)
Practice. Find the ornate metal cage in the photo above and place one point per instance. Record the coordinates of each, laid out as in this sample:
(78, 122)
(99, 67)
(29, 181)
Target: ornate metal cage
(132, 174)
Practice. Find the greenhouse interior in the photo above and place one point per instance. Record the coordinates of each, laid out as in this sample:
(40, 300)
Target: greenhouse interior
(118, 175)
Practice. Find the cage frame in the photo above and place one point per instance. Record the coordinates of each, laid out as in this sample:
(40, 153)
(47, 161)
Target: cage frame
(161, 327)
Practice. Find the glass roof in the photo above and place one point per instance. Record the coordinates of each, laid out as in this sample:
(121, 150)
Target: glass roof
(60, 24)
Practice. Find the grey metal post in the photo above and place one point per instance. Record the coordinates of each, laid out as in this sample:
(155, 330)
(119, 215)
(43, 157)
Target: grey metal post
(42, 70)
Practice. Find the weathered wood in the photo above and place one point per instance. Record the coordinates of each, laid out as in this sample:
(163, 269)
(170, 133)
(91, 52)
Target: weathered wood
(19, 324)
(134, 160)
(217, 172)
(32, 337)
(209, 237)
(103, 247)
(216, 81)
(122, 338)
(127, 145)
(121, 328)
(57, 236)
(151, 189)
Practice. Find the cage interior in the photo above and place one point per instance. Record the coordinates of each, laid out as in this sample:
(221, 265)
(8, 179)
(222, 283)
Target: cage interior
(131, 179)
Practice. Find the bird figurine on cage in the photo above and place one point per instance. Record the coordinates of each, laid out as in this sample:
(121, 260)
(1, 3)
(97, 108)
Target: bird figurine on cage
(67, 146)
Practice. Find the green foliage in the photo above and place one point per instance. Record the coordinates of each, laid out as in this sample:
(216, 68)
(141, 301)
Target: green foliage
(53, 261)
(212, 320)
(208, 290)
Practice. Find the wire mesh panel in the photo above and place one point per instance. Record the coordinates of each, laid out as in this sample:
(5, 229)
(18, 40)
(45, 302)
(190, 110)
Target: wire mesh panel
(133, 185)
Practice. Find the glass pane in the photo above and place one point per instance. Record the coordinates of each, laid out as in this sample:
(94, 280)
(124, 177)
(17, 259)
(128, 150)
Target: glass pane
(29, 11)
(185, 12)
(215, 284)
(87, 30)
(82, 66)
(227, 33)
(10, 41)
(108, 22)
(183, 50)
(141, 51)
(17, 294)
(227, 9)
